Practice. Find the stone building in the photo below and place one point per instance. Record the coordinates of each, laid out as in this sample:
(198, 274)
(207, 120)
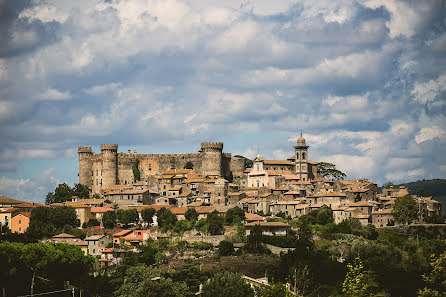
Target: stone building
(110, 167)
(270, 173)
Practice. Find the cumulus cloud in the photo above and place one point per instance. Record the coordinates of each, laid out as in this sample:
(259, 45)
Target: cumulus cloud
(429, 133)
(54, 95)
(363, 79)
(33, 189)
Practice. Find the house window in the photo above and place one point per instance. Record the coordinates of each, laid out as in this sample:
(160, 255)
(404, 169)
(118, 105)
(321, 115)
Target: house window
(303, 156)
(94, 251)
(96, 172)
(297, 155)
(20, 222)
(150, 166)
(20, 229)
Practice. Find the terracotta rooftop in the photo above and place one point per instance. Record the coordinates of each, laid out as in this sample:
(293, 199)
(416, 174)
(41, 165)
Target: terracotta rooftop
(64, 235)
(268, 224)
(6, 200)
(101, 209)
(277, 162)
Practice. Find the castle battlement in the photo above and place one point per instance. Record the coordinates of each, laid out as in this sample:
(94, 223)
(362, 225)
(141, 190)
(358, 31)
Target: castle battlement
(212, 145)
(84, 149)
(113, 147)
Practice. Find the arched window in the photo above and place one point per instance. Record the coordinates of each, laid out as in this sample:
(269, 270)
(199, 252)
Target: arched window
(297, 155)
(303, 156)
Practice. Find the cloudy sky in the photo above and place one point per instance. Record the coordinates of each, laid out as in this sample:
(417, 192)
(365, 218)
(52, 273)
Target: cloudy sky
(365, 81)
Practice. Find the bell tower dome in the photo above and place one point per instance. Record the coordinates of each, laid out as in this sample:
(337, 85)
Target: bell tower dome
(301, 158)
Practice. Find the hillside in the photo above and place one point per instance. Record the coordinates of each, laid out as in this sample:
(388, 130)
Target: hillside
(435, 187)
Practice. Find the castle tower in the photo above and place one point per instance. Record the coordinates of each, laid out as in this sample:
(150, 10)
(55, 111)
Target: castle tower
(211, 161)
(301, 158)
(109, 154)
(85, 166)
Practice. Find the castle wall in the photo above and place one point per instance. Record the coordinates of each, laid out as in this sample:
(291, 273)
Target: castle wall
(110, 167)
(126, 162)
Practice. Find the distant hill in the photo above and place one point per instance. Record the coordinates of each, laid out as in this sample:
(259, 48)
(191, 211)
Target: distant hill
(435, 187)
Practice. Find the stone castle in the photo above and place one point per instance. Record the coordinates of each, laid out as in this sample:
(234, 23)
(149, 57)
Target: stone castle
(110, 167)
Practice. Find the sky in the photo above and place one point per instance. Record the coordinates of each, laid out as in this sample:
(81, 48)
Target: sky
(364, 81)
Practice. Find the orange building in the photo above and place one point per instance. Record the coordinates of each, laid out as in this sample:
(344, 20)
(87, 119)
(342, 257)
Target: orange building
(20, 222)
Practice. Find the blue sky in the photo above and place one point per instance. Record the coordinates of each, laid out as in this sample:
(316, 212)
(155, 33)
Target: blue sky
(364, 80)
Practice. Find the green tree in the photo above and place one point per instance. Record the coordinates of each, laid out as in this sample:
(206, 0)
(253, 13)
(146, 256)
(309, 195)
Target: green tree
(328, 170)
(436, 279)
(234, 216)
(275, 290)
(60, 216)
(109, 219)
(147, 214)
(192, 275)
(136, 174)
(143, 281)
(129, 216)
(358, 282)
(324, 215)
(189, 165)
(62, 193)
(147, 253)
(405, 210)
(182, 226)
(201, 225)
(225, 248)
(215, 223)
(226, 284)
(191, 214)
(254, 240)
(166, 219)
(81, 191)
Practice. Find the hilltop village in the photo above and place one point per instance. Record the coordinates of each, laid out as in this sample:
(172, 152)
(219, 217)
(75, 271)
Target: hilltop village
(212, 180)
(269, 227)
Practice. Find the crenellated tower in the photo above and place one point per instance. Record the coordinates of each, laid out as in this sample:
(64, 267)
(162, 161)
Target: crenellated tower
(211, 161)
(85, 165)
(109, 154)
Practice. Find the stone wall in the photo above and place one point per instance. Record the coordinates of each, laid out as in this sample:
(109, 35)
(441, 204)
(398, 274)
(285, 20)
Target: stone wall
(110, 167)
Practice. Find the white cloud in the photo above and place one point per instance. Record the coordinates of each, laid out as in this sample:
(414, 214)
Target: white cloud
(429, 133)
(45, 13)
(54, 95)
(405, 17)
(413, 174)
(429, 91)
(102, 89)
(32, 189)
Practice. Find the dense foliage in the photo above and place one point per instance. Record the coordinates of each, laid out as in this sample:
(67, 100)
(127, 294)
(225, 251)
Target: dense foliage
(64, 192)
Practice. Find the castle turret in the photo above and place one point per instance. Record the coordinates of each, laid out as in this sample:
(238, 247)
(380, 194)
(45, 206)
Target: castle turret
(109, 164)
(301, 158)
(85, 166)
(211, 162)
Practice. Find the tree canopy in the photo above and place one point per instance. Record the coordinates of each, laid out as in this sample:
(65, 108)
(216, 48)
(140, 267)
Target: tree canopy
(227, 284)
(405, 210)
(328, 170)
